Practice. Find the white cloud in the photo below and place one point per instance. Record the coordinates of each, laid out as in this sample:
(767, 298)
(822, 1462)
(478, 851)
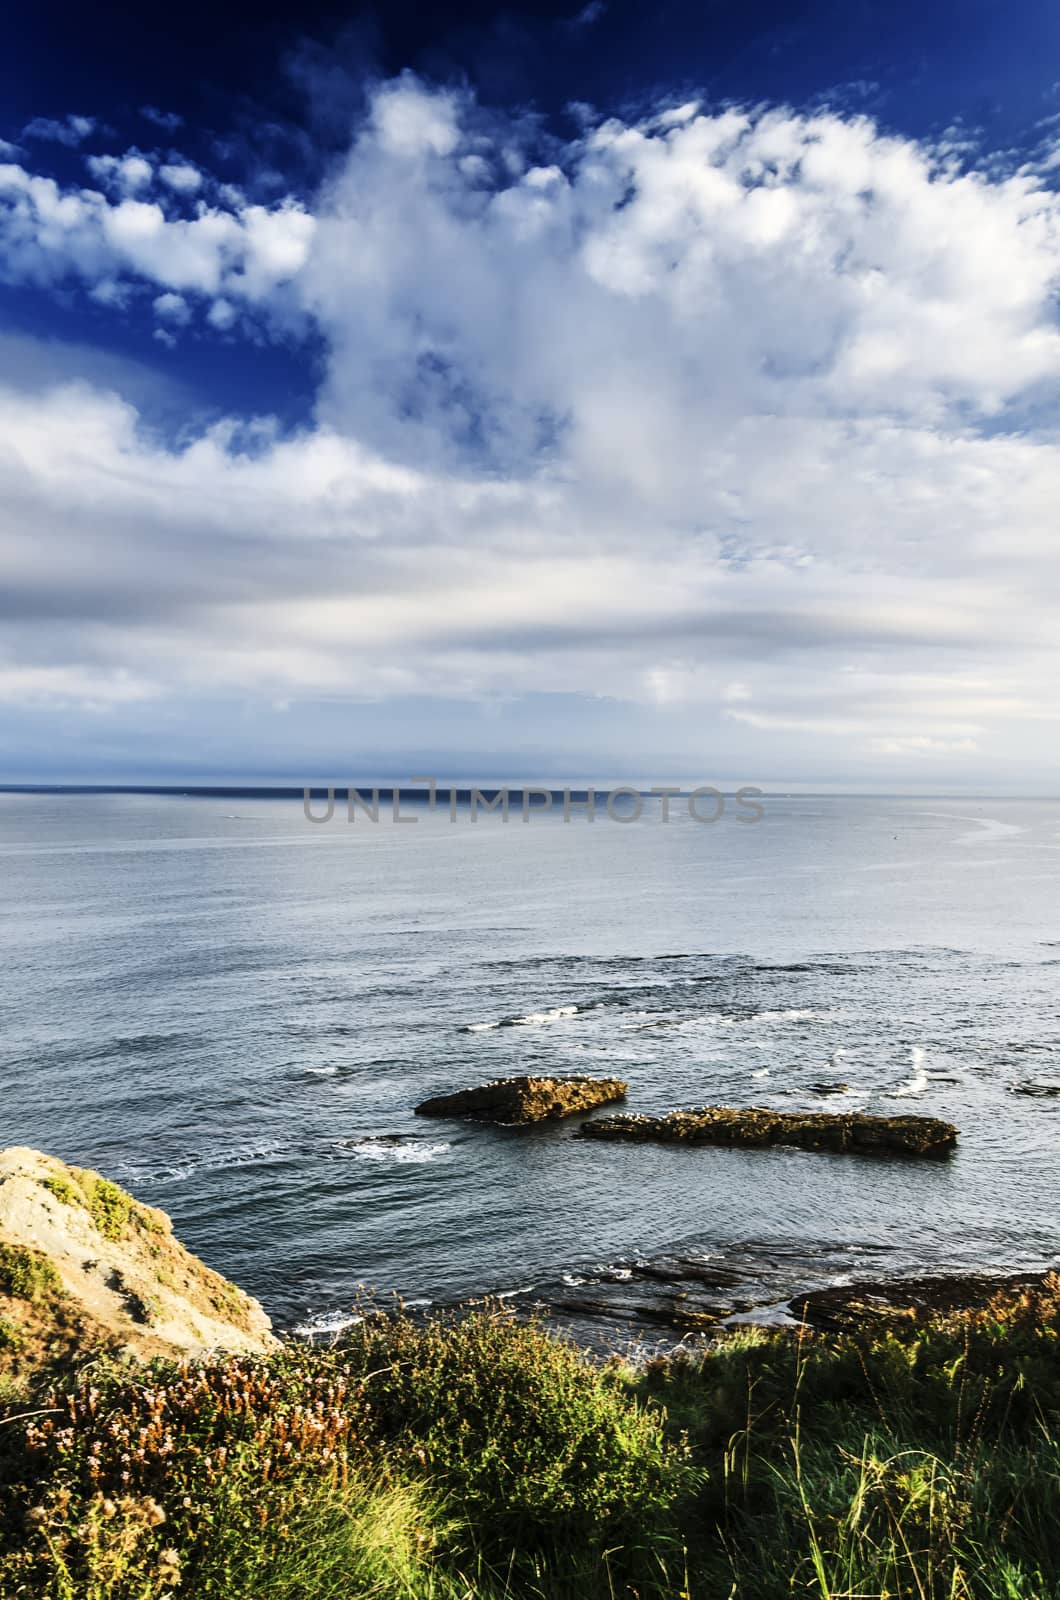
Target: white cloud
(126, 174)
(748, 419)
(173, 308)
(181, 176)
(71, 130)
(55, 687)
(221, 315)
(49, 235)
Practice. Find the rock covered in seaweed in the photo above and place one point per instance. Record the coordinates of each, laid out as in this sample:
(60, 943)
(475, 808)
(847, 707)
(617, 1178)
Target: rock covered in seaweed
(525, 1099)
(814, 1130)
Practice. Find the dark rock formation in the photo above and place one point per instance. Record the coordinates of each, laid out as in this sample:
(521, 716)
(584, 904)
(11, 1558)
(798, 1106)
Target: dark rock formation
(522, 1100)
(816, 1130)
(864, 1305)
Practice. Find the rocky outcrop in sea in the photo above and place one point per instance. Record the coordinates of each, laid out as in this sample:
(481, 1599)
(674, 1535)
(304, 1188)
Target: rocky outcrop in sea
(526, 1099)
(849, 1131)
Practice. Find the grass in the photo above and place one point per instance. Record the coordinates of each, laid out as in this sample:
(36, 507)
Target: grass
(481, 1458)
(26, 1274)
(114, 1212)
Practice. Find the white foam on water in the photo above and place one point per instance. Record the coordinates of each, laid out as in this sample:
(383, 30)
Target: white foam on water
(763, 1018)
(788, 1016)
(533, 1018)
(413, 1154)
(236, 1156)
(763, 1072)
(919, 1081)
(321, 1072)
(326, 1324)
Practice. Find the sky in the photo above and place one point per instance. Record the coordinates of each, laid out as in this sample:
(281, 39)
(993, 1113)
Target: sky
(624, 393)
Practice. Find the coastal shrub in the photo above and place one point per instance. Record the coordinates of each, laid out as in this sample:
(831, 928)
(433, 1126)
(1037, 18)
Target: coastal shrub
(110, 1207)
(26, 1274)
(114, 1212)
(519, 1427)
(64, 1191)
(365, 1540)
(538, 1455)
(224, 1449)
(11, 1336)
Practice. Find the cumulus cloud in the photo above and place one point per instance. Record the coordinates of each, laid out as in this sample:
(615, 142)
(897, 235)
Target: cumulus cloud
(181, 176)
(746, 418)
(54, 236)
(126, 174)
(173, 308)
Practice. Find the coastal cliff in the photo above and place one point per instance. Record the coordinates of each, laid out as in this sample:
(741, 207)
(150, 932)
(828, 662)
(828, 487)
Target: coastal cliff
(86, 1268)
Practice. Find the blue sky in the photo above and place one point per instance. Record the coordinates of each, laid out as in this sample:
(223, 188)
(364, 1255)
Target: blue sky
(627, 392)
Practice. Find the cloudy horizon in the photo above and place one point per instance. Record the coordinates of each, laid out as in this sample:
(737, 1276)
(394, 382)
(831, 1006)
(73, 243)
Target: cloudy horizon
(689, 436)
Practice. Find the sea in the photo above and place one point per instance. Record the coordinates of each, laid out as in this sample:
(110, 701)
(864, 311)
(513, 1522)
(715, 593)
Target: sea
(234, 1011)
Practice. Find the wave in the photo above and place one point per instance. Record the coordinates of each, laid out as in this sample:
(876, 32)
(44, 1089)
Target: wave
(184, 1167)
(738, 1017)
(138, 1044)
(391, 1148)
(919, 1081)
(532, 1019)
(326, 1324)
(828, 967)
(795, 1014)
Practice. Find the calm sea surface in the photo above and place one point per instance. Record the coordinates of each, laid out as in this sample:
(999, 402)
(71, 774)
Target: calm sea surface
(233, 1013)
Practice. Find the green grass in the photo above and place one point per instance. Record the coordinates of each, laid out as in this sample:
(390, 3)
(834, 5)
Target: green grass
(64, 1191)
(11, 1339)
(480, 1458)
(26, 1274)
(114, 1212)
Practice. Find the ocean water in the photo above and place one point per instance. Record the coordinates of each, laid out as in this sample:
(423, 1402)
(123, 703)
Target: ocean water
(234, 1013)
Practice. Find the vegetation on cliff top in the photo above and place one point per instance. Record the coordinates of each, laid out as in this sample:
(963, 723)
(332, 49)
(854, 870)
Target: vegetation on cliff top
(479, 1457)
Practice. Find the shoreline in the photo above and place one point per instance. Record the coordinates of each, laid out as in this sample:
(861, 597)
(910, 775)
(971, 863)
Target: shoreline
(637, 1331)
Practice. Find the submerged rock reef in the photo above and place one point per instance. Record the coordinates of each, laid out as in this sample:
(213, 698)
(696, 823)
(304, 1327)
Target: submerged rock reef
(814, 1130)
(525, 1100)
